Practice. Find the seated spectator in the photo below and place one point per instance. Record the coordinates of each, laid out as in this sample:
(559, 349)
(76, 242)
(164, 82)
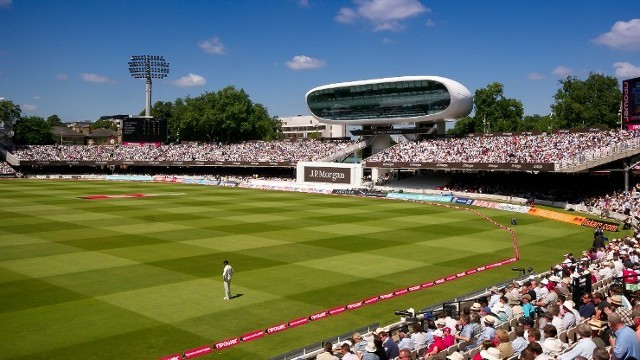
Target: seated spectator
(520, 342)
(600, 304)
(503, 344)
(448, 339)
(489, 331)
(597, 327)
(615, 305)
(370, 351)
(390, 346)
(345, 351)
(527, 308)
(418, 337)
(534, 336)
(635, 313)
(568, 317)
(551, 344)
(623, 340)
(405, 354)
(327, 353)
(405, 339)
(437, 345)
(489, 353)
(358, 342)
(466, 333)
(587, 309)
(583, 347)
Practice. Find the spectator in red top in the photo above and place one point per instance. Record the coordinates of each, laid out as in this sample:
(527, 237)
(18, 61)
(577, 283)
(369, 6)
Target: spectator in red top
(630, 276)
(437, 345)
(448, 339)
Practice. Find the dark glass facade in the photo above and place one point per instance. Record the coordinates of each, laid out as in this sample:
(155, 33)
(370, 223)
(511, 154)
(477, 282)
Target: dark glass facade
(386, 100)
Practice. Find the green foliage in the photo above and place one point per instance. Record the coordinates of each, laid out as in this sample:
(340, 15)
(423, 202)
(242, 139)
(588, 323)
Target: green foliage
(578, 103)
(493, 112)
(591, 102)
(540, 123)
(227, 116)
(54, 120)
(103, 124)
(463, 126)
(32, 130)
(9, 113)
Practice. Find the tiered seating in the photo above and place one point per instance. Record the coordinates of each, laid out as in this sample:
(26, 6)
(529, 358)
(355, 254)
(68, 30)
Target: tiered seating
(276, 151)
(564, 149)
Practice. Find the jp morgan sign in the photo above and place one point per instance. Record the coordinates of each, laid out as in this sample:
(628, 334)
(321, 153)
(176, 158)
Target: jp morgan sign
(332, 175)
(329, 174)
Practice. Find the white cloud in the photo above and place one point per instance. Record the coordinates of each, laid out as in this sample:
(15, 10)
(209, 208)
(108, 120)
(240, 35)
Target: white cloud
(190, 80)
(95, 78)
(62, 77)
(346, 16)
(302, 62)
(562, 71)
(430, 23)
(303, 3)
(382, 14)
(535, 76)
(624, 70)
(5, 3)
(623, 36)
(36, 97)
(212, 46)
(28, 107)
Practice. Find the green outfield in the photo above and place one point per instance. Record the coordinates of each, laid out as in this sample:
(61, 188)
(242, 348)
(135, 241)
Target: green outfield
(140, 278)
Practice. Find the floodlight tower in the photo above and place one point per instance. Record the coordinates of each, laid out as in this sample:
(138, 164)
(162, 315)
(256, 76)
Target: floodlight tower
(148, 67)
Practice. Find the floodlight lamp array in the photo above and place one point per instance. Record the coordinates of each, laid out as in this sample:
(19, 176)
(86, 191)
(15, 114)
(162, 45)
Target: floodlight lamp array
(148, 67)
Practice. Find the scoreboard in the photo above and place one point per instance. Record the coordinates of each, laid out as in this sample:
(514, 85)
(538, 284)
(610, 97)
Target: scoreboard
(144, 130)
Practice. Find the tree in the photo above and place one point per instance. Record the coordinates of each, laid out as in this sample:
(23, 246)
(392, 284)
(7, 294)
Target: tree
(54, 120)
(463, 126)
(537, 122)
(226, 116)
(9, 114)
(32, 130)
(103, 124)
(164, 110)
(493, 112)
(591, 102)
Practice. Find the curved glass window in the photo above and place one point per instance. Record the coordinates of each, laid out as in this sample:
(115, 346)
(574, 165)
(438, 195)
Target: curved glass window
(388, 100)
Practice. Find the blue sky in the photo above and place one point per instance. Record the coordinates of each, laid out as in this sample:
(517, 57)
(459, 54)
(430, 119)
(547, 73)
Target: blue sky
(70, 57)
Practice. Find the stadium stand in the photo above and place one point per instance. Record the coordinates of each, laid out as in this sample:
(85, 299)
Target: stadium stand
(6, 170)
(564, 149)
(278, 151)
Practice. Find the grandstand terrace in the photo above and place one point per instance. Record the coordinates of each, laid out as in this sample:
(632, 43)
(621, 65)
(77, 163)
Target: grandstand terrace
(6, 170)
(561, 151)
(278, 153)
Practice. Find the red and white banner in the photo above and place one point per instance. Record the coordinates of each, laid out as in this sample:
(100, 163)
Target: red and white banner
(199, 351)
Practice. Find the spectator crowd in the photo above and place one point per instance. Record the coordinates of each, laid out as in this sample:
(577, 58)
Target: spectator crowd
(276, 151)
(5, 169)
(556, 148)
